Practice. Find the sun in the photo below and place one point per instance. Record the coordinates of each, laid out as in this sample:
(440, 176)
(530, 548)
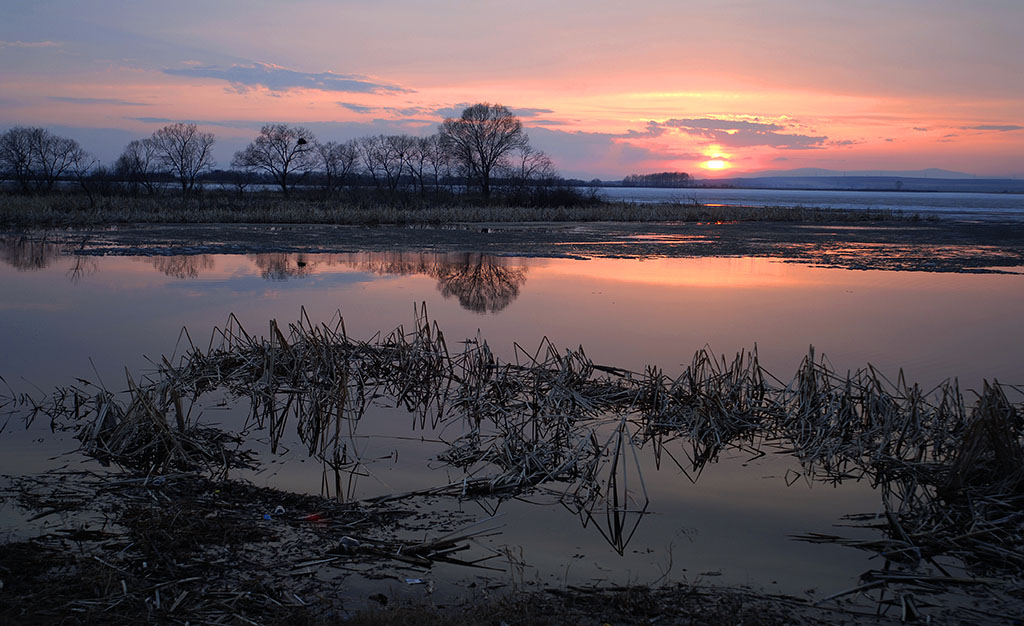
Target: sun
(715, 164)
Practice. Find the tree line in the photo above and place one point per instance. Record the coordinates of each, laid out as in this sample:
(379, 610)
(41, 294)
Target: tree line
(660, 179)
(484, 152)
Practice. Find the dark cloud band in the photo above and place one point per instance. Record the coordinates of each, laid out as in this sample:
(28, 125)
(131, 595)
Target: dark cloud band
(277, 78)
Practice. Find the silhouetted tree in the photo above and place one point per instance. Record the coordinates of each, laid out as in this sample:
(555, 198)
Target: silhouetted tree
(338, 161)
(529, 169)
(185, 152)
(418, 163)
(281, 151)
(438, 159)
(35, 158)
(138, 165)
(384, 158)
(481, 140)
(83, 165)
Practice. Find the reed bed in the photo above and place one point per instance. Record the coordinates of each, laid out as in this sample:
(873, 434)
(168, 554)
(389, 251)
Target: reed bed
(64, 210)
(950, 473)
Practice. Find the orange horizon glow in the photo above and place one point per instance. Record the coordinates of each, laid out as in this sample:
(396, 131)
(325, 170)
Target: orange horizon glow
(835, 101)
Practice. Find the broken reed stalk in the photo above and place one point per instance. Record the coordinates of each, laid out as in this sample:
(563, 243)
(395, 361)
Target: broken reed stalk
(943, 470)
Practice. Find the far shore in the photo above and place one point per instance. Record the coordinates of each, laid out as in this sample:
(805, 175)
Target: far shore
(892, 245)
(78, 210)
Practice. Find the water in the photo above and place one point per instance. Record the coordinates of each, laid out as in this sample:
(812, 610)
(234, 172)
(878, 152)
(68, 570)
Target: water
(974, 206)
(63, 318)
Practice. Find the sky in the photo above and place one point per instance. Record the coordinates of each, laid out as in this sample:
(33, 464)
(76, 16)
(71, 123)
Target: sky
(606, 88)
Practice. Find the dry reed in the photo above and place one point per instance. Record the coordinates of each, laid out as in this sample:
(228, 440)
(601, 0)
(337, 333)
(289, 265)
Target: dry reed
(951, 476)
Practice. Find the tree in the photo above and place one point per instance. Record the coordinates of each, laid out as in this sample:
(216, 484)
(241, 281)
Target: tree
(384, 158)
(281, 151)
(185, 152)
(16, 156)
(337, 161)
(481, 141)
(35, 158)
(529, 171)
(83, 166)
(661, 179)
(138, 165)
(419, 161)
(438, 159)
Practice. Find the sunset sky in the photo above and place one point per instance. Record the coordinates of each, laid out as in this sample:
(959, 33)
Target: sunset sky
(606, 88)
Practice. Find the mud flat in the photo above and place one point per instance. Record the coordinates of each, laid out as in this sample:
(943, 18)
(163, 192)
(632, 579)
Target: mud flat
(939, 245)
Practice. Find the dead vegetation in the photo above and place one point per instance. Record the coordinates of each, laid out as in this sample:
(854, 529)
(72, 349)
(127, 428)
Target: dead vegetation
(73, 210)
(950, 472)
(183, 549)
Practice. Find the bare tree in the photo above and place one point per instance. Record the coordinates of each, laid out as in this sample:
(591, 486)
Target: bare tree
(481, 140)
(338, 161)
(384, 158)
(530, 165)
(16, 156)
(52, 156)
(281, 151)
(529, 170)
(83, 166)
(35, 158)
(438, 159)
(138, 165)
(419, 162)
(184, 151)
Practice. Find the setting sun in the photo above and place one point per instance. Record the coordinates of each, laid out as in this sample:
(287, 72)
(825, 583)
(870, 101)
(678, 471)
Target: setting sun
(715, 164)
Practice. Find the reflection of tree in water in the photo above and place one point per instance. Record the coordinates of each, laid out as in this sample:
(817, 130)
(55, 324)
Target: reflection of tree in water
(82, 267)
(282, 265)
(182, 266)
(482, 283)
(24, 254)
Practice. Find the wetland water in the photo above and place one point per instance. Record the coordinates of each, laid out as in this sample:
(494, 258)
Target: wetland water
(64, 317)
(959, 205)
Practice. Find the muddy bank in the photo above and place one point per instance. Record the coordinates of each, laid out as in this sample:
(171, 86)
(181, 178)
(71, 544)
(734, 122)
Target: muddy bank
(942, 246)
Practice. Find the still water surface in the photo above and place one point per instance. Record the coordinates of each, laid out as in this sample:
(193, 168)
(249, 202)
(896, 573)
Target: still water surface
(962, 205)
(63, 317)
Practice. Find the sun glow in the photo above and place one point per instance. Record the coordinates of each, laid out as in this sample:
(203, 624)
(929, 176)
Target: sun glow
(715, 164)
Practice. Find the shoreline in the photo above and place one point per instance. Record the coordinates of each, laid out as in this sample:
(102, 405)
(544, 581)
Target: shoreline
(935, 246)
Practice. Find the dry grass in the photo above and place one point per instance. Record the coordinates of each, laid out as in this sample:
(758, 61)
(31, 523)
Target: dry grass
(59, 210)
